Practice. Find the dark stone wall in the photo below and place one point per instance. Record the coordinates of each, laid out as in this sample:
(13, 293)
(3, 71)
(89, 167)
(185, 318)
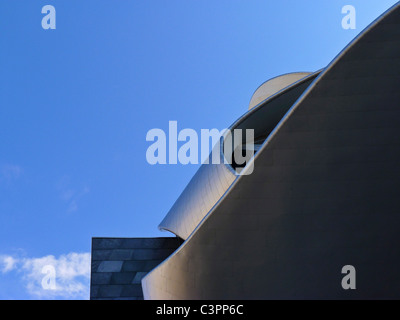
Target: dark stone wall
(119, 264)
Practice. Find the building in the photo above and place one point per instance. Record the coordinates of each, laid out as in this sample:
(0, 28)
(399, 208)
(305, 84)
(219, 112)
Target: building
(323, 194)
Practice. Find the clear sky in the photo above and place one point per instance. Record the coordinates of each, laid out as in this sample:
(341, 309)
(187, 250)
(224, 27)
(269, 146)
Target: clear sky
(76, 104)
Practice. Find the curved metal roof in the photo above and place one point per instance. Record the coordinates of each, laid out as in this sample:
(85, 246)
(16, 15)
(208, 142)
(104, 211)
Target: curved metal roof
(274, 85)
(211, 181)
(286, 230)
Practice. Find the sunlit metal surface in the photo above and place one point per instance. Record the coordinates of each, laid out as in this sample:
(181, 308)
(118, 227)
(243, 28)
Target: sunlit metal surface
(204, 190)
(323, 194)
(211, 181)
(274, 85)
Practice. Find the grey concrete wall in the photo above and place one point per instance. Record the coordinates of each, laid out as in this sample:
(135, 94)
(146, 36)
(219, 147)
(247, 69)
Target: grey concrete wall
(119, 264)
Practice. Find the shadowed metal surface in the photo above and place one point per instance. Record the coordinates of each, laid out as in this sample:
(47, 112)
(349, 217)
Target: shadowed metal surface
(264, 117)
(323, 194)
(211, 181)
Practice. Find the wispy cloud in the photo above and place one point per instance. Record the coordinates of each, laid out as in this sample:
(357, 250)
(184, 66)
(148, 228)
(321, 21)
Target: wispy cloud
(73, 203)
(10, 172)
(71, 274)
(71, 195)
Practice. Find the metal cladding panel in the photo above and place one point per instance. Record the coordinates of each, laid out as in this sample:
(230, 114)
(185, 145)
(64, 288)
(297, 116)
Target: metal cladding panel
(211, 181)
(323, 194)
(204, 190)
(274, 85)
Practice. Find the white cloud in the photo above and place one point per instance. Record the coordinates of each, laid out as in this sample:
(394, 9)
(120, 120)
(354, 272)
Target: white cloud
(72, 275)
(7, 263)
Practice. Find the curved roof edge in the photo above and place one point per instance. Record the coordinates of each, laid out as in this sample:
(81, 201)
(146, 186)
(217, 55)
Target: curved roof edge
(145, 281)
(211, 181)
(274, 85)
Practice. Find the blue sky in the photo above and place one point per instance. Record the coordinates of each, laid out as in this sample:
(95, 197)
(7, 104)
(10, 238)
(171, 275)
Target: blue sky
(76, 104)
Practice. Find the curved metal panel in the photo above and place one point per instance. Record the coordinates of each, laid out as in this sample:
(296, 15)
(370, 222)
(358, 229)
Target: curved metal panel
(274, 85)
(203, 191)
(323, 194)
(211, 181)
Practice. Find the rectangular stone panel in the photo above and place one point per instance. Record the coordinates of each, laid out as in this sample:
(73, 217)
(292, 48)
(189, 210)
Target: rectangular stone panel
(119, 265)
